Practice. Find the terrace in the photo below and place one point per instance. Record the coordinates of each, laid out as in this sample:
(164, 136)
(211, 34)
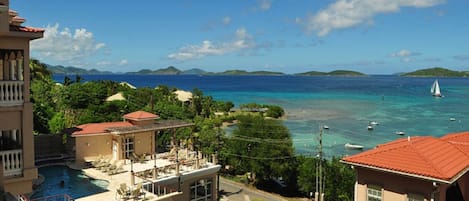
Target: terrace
(158, 176)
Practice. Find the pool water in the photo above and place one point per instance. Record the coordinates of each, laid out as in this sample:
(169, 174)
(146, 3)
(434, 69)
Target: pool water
(75, 183)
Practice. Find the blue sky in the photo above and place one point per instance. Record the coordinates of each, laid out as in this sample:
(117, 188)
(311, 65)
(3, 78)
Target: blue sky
(291, 36)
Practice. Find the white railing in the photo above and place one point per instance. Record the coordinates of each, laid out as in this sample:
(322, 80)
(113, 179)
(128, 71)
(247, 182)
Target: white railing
(11, 93)
(12, 161)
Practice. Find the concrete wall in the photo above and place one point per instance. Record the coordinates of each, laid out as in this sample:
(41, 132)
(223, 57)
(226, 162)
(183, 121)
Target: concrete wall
(20, 117)
(92, 146)
(394, 187)
(464, 186)
(186, 189)
(144, 143)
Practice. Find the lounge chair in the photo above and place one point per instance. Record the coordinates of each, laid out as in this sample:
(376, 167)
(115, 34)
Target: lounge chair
(113, 166)
(123, 192)
(117, 170)
(107, 165)
(137, 192)
(139, 159)
(102, 163)
(99, 160)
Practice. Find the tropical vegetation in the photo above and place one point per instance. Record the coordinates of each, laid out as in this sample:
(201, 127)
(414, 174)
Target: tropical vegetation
(260, 148)
(437, 72)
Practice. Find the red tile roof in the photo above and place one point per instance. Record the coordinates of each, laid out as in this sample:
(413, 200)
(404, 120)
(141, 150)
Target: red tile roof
(26, 29)
(439, 158)
(140, 116)
(98, 128)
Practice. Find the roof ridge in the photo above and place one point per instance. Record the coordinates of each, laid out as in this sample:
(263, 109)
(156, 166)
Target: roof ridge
(425, 158)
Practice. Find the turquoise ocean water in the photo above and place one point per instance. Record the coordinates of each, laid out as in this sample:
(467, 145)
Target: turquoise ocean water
(345, 104)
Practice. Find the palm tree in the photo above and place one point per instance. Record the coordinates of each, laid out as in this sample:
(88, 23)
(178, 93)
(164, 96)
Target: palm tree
(39, 70)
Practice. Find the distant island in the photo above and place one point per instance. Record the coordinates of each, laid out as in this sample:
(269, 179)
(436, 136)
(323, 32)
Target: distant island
(58, 69)
(436, 72)
(171, 70)
(332, 73)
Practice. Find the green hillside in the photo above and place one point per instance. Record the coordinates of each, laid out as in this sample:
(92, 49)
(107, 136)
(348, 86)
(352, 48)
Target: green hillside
(332, 73)
(437, 72)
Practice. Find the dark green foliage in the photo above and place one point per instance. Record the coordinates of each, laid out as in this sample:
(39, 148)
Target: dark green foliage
(339, 178)
(332, 73)
(437, 72)
(261, 147)
(272, 111)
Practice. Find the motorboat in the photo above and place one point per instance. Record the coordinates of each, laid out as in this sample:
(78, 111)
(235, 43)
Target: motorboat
(452, 119)
(353, 146)
(370, 127)
(374, 123)
(400, 133)
(325, 127)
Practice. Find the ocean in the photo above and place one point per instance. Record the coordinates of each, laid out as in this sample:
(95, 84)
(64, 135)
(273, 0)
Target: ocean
(345, 104)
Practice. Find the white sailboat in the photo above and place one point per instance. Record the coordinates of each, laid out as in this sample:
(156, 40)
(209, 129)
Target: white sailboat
(435, 90)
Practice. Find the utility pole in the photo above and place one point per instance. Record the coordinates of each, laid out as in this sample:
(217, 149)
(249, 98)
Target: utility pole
(218, 159)
(319, 196)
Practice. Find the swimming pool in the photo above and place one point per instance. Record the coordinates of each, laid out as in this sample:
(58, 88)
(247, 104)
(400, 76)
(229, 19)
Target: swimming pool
(75, 183)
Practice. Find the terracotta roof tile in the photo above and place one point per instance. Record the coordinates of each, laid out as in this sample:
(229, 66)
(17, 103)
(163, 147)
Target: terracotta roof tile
(140, 115)
(26, 29)
(424, 156)
(98, 128)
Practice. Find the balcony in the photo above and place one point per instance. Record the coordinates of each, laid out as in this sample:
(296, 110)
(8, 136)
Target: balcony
(12, 161)
(11, 93)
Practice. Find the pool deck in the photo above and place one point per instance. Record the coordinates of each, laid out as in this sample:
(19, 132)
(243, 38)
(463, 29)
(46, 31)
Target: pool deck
(125, 176)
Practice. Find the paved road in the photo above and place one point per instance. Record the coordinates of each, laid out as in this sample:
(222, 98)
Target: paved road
(232, 191)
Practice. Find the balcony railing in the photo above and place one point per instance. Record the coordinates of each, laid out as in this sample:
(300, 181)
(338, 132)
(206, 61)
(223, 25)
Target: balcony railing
(12, 161)
(11, 93)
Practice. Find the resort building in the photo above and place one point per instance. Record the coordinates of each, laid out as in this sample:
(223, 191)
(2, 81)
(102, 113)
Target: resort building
(131, 146)
(420, 168)
(17, 169)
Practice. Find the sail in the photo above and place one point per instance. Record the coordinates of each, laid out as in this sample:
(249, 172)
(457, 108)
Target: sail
(435, 90)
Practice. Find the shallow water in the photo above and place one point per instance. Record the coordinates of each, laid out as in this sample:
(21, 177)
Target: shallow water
(345, 104)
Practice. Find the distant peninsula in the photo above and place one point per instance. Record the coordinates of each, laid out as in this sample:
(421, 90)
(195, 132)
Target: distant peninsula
(332, 73)
(58, 69)
(243, 72)
(171, 70)
(436, 72)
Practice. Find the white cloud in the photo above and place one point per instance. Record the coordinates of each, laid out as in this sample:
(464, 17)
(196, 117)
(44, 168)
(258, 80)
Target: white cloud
(350, 13)
(462, 57)
(65, 45)
(103, 63)
(226, 20)
(405, 53)
(241, 41)
(123, 62)
(265, 5)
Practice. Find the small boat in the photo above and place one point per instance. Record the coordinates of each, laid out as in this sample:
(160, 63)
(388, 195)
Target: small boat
(452, 119)
(435, 90)
(370, 127)
(374, 123)
(400, 133)
(325, 127)
(353, 146)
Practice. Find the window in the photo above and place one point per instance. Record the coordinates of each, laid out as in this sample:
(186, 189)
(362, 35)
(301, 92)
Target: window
(201, 190)
(374, 193)
(414, 197)
(129, 147)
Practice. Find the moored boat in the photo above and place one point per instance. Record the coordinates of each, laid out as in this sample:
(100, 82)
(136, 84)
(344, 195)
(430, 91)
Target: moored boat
(353, 146)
